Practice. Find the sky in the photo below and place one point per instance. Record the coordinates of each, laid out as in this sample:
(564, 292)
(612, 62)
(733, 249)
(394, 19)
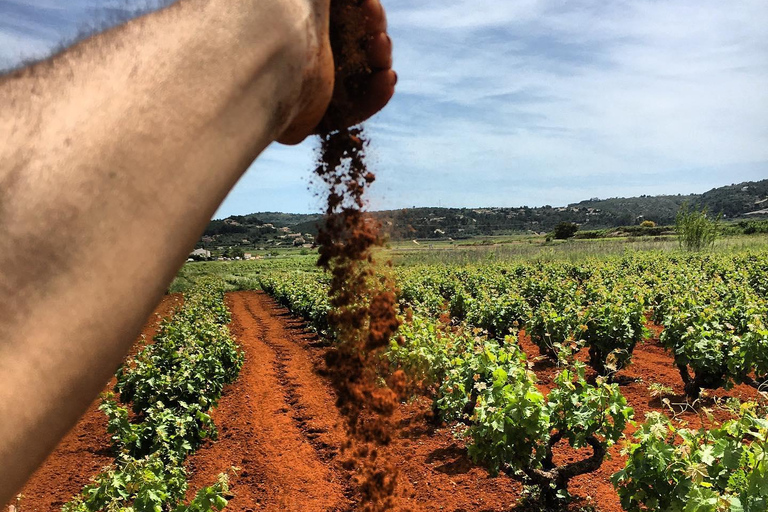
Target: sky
(519, 102)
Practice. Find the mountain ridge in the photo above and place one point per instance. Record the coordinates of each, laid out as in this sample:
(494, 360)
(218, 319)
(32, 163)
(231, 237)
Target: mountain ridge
(736, 201)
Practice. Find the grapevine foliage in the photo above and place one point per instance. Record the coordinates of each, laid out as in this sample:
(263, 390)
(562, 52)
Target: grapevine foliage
(512, 426)
(724, 468)
(165, 395)
(458, 343)
(717, 334)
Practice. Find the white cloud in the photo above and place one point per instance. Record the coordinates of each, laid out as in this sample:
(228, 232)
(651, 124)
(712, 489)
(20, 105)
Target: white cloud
(451, 15)
(579, 93)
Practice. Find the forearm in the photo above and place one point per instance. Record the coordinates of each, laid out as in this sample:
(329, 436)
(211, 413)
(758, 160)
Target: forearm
(115, 155)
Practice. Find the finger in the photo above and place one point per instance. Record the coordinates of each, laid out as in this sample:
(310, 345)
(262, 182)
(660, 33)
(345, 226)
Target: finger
(375, 17)
(380, 89)
(379, 51)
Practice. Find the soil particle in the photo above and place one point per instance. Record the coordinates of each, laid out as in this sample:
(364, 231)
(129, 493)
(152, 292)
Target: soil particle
(362, 297)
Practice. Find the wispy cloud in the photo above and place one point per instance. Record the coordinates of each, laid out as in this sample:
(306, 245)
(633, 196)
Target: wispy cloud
(543, 102)
(528, 102)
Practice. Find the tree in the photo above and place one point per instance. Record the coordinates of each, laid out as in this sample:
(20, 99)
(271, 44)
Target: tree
(565, 230)
(695, 229)
(234, 252)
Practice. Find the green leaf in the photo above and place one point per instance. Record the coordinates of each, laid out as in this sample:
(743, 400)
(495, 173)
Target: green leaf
(706, 454)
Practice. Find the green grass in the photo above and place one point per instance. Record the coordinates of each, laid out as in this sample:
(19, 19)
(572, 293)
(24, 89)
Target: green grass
(240, 275)
(243, 275)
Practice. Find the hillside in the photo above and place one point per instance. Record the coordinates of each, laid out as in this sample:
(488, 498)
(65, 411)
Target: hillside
(737, 200)
(270, 229)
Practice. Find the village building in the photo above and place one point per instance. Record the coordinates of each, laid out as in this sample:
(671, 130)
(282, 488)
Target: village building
(200, 253)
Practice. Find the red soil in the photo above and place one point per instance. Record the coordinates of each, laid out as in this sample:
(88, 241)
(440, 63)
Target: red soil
(280, 425)
(87, 447)
(278, 422)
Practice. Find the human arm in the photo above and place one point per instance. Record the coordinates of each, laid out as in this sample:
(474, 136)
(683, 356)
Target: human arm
(114, 156)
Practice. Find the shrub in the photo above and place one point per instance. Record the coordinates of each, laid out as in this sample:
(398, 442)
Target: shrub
(723, 468)
(513, 427)
(171, 386)
(754, 227)
(555, 325)
(147, 485)
(695, 229)
(648, 224)
(614, 325)
(423, 349)
(565, 230)
(717, 341)
(500, 315)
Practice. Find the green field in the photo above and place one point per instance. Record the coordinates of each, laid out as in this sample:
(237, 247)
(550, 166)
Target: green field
(520, 248)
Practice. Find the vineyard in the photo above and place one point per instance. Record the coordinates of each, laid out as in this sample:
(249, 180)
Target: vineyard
(463, 343)
(466, 335)
(629, 382)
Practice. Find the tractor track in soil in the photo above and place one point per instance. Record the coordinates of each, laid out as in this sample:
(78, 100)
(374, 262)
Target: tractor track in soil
(278, 423)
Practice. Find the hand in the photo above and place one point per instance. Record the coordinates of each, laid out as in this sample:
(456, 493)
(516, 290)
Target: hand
(319, 79)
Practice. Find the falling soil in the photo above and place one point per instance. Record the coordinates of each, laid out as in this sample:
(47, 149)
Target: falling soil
(363, 299)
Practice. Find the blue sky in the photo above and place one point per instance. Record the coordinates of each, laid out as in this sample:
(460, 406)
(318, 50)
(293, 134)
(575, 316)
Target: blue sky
(524, 102)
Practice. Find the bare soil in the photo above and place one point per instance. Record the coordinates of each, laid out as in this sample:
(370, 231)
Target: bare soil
(280, 425)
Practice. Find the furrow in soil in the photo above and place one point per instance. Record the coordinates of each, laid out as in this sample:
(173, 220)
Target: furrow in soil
(278, 423)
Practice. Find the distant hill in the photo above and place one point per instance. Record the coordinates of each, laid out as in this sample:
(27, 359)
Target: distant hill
(281, 219)
(285, 229)
(737, 200)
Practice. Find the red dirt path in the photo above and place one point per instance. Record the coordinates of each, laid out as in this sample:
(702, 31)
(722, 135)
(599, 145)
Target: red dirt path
(279, 424)
(86, 449)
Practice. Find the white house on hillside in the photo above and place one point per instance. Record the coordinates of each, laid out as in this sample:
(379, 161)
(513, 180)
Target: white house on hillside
(200, 253)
